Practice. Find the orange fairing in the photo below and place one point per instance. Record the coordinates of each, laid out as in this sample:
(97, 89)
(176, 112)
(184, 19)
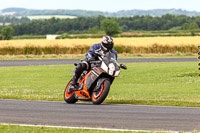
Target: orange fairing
(84, 92)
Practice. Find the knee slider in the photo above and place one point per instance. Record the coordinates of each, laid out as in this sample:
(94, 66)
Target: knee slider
(84, 66)
(81, 66)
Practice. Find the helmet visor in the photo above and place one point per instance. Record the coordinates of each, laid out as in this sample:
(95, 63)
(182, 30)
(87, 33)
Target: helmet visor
(109, 46)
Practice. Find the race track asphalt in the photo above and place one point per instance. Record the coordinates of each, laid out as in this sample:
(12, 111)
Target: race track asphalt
(115, 116)
(5, 63)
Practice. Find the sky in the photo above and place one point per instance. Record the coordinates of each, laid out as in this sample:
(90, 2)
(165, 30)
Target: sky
(103, 5)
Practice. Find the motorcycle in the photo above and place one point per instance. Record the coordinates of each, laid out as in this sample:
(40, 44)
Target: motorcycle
(94, 85)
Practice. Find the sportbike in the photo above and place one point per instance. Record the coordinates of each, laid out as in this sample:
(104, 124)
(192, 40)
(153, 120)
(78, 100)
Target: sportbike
(94, 85)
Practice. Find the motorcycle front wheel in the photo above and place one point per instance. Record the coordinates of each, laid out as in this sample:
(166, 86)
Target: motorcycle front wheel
(99, 96)
(69, 98)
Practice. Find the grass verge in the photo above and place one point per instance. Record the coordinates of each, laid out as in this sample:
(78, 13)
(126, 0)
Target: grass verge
(29, 129)
(168, 84)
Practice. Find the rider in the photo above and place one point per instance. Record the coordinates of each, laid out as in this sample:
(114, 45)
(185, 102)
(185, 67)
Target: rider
(102, 48)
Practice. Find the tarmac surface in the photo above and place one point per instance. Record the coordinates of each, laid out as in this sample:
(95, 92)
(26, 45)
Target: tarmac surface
(115, 116)
(5, 63)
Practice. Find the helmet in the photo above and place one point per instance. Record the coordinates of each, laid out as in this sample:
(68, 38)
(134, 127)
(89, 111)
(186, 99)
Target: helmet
(107, 43)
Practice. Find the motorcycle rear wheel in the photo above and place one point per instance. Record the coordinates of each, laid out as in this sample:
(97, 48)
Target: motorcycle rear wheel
(99, 96)
(69, 98)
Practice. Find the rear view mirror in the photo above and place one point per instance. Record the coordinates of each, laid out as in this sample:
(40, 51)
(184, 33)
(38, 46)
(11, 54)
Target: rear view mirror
(123, 66)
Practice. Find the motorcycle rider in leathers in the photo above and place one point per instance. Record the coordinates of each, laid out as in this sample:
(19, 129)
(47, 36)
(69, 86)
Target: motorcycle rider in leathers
(102, 48)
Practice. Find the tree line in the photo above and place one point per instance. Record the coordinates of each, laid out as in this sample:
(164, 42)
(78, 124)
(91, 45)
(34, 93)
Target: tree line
(88, 13)
(96, 24)
(13, 20)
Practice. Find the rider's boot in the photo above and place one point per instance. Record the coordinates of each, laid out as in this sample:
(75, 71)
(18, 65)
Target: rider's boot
(74, 86)
(74, 83)
(78, 71)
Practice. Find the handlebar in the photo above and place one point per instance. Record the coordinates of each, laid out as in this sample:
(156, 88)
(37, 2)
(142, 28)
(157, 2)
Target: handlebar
(96, 54)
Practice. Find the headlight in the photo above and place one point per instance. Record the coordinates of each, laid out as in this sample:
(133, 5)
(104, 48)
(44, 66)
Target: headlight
(104, 66)
(117, 73)
(111, 67)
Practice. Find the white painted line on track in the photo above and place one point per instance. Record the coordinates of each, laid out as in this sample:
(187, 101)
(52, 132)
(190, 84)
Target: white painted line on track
(88, 128)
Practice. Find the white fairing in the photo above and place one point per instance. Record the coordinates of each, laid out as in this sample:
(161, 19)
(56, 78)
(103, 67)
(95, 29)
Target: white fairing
(117, 73)
(111, 69)
(104, 66)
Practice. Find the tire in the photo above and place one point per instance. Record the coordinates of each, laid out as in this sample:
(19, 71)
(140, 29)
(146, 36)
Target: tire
(69, 98)
(99, 97)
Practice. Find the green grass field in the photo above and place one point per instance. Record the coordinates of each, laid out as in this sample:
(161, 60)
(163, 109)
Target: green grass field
(168, 84)
(29, 129)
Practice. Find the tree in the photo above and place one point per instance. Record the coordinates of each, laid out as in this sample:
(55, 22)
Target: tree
(190, 26)
(110, 27)
(1, 37)
(93, 30)
(185, 26)
(124, 28)
(194, 26)
(7, 32)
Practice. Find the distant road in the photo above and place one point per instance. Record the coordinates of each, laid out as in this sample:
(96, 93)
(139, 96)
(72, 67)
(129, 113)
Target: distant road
(6, 63)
